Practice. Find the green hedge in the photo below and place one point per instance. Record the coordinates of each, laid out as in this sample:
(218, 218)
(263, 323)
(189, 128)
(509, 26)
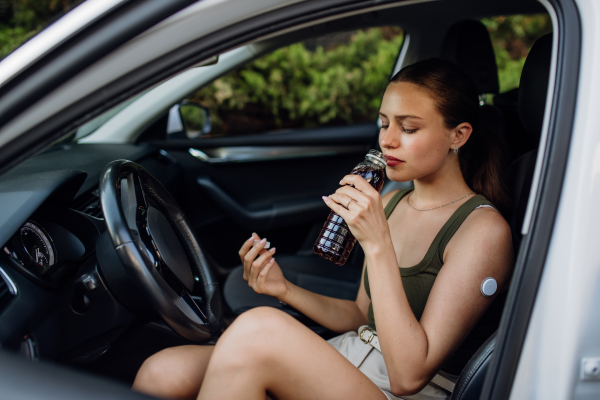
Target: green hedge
(298, 87)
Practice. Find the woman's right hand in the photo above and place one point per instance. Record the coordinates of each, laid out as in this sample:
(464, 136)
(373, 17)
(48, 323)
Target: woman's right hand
(261, 271)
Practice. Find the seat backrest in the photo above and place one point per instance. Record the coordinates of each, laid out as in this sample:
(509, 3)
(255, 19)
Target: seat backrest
(532, 103)
(468, 45)
(470, 382)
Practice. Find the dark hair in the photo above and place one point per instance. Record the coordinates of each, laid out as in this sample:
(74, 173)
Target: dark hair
(481, 159)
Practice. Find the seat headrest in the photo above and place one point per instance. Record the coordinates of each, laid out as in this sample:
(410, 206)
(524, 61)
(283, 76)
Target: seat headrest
(468, 45)
(533, 87)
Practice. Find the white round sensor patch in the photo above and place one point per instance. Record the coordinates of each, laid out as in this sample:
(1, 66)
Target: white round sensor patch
(488, 287)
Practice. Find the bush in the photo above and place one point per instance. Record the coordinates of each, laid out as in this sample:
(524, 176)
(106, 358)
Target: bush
(298, 87)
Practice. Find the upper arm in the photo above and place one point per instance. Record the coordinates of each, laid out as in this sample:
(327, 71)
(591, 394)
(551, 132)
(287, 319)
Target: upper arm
(481, 248)
(362, 300)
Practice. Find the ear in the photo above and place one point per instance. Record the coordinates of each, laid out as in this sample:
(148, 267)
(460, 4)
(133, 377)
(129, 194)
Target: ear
(461, 134)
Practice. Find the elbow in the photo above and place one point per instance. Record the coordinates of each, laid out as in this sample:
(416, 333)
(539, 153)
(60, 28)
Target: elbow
(404, 387)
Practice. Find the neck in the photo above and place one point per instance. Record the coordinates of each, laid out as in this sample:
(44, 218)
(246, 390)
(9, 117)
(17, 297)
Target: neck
(443, 186)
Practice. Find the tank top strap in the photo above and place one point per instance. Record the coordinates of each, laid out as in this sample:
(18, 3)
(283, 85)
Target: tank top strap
(456, 220)
(391, 205)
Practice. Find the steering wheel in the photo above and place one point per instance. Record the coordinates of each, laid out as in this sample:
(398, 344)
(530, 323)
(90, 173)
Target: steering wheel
(153, 239)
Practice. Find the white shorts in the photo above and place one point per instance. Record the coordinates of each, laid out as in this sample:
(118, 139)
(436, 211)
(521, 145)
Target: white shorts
(370, 362)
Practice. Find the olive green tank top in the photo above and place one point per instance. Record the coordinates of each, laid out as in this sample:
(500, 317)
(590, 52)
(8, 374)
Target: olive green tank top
(418, 280)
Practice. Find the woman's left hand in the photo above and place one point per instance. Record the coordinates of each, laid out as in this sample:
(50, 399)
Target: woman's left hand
(362, 209)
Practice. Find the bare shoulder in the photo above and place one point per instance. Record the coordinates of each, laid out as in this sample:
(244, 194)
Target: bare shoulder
(483, 243)
(487, 223)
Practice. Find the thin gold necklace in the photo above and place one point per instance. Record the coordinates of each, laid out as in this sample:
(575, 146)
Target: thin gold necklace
(429, 209)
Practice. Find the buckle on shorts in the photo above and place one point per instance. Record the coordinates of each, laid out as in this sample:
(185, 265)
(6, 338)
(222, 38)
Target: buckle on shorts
(369, 330)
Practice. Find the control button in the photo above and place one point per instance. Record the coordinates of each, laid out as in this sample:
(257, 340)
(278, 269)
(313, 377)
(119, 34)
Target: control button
(488, 287)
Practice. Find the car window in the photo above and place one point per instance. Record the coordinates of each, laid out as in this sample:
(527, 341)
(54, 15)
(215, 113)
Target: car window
(512, 37)
(333, 80)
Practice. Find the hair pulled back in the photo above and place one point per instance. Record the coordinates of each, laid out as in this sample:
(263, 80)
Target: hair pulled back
(455, 96)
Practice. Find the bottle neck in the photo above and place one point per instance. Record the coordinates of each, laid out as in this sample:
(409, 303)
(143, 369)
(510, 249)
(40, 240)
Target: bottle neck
(379, 162)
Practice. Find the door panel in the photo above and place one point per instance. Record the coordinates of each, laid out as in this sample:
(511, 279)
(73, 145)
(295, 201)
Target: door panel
(279, 197)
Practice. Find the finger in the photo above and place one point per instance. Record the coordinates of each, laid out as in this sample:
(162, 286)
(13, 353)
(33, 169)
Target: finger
(245, 247)
(261, 280)
(342, 199)
(357, 181)
(258, 264)
(243, 251)
(356, 195)
(250, 256)
(335, 207)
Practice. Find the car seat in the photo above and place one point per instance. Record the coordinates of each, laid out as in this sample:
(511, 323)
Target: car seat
(468, 44)
(532, 104)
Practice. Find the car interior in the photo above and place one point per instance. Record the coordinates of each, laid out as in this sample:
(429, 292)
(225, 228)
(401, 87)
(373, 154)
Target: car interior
(67, 293)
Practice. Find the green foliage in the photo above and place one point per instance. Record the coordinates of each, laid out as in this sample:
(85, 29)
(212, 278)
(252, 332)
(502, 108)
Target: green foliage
(20, 20)
(296, 87)
(512, 37)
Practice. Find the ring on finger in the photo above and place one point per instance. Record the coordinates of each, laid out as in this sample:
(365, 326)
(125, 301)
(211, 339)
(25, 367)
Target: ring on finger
(349, 203)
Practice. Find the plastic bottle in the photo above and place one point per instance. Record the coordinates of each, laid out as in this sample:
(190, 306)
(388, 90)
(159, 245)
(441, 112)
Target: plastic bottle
(335, 242)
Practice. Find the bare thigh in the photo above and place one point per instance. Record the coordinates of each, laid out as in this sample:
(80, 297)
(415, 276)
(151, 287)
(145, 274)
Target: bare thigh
(174, 373)
(267, 351)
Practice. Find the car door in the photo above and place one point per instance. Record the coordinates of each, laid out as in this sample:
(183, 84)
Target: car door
(285, 128)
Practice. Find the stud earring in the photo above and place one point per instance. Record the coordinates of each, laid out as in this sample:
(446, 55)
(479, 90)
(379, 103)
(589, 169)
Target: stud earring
(455, 150)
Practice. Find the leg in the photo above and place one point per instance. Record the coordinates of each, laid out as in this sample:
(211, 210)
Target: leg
(267, 351)
(174, 373)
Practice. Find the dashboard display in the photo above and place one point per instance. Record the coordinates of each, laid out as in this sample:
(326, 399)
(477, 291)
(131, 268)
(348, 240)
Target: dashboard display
(38, 245)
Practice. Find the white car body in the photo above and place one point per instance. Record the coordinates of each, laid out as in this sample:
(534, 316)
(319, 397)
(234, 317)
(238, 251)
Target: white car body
(564, 327)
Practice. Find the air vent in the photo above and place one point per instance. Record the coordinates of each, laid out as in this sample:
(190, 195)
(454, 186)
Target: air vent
(8, 290)
(89, 204)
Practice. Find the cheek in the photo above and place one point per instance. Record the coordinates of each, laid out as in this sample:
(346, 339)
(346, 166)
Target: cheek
(425, 154)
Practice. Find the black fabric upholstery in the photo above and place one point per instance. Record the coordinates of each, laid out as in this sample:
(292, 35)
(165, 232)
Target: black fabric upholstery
(470, 382)
(534, 86)
(532, 103)
(309, 272)
(468, 45)
(516, 136)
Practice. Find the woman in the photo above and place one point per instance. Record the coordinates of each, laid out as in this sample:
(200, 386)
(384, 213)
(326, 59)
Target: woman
(423, 312)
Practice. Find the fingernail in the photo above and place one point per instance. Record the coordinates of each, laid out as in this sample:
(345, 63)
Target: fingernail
(263, 241)
(254, 234)
(271, 260)
(272, 250)
(325, 198)
(341, 182)
(251, 239)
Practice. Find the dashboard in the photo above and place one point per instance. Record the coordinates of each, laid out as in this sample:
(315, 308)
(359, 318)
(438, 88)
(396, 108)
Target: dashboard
(56, 302)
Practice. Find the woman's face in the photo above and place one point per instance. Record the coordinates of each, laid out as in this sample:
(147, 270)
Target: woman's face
(413, 133)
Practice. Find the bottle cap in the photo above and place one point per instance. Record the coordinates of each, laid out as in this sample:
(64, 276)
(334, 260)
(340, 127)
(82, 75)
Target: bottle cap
(377, 156)
(488, 287)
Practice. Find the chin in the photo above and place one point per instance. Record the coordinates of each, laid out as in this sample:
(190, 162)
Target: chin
(399, 176)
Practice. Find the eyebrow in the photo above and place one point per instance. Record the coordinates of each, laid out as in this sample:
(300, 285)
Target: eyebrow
(401, 116)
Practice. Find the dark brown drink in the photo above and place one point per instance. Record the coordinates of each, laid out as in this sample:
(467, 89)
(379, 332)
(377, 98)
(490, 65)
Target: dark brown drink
(335, 242)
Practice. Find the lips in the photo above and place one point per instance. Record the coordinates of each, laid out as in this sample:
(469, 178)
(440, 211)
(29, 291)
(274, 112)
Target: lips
(393, 161)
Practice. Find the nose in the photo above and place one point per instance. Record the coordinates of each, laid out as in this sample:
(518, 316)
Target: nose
(389, 138)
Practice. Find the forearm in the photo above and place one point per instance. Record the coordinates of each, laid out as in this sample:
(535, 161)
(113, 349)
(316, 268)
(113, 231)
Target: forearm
(335, 314)
(403, 341)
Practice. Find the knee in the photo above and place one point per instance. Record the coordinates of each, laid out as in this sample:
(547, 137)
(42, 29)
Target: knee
(261, 322)
(254, 335)
(159, 375)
